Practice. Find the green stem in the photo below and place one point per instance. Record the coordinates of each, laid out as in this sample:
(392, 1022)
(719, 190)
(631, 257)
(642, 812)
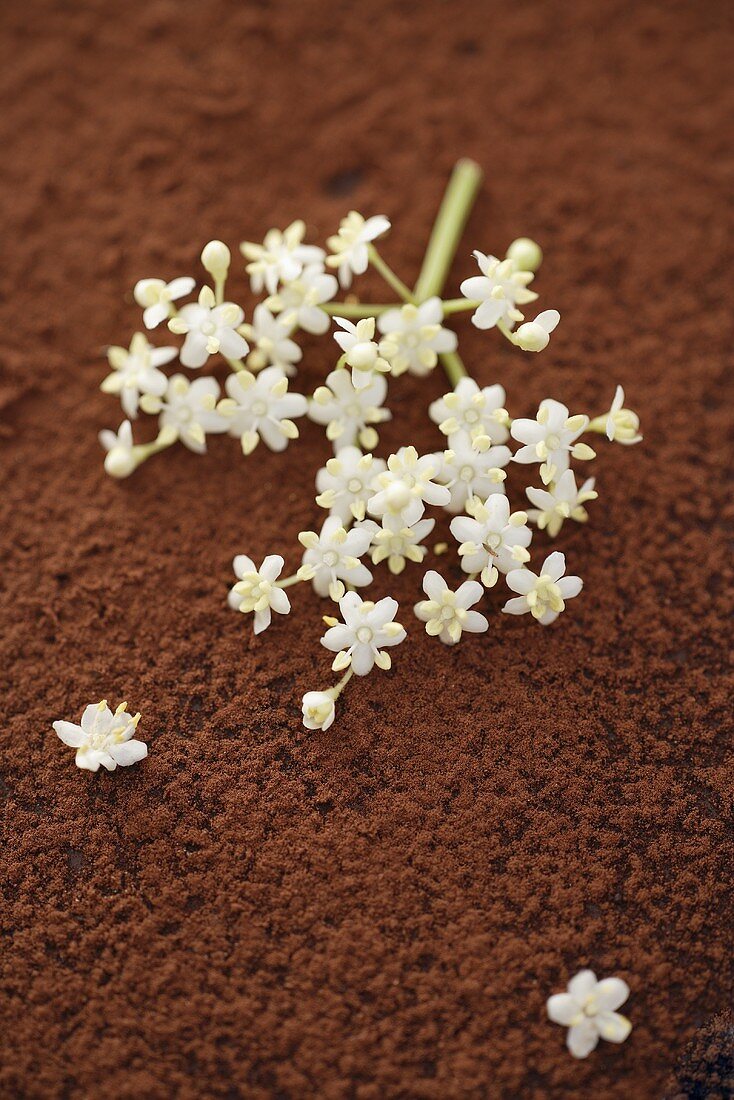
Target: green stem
(356, 310)
(389, 275)
(458, 305)
(453, 366)
(448, 228)
(337, 689)
(288, 581)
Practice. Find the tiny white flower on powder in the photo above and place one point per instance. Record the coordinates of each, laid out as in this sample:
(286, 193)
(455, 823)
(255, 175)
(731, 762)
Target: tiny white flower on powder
(280, 258)
(446, 613)
(134, 371)
(209, 328)
(103, 738)
(188, 409)
(588, 1010)
(344, 485)
(400, 546)
(350, 254)
(551, 439)
(298, 302)
(270, 342)
(155, 297)
(622, 424)
(500, 289)
(469, 472)
(418, 336)
(535, 335)
(349, 413)
(368, 628)
(492, 540)
(478, 412)
(560, 501)
(331, 558)
(256, 589)
(361, 352)
(404, 489)
(120, 459)
(544, 595)
(318, 710)
(261, 407)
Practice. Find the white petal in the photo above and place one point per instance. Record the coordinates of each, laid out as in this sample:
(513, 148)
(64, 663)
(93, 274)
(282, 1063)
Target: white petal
(434, 585)
(582, 985)
(570, 587)
(521, 580)
(271, 567)
(129, 752)
(554, 565)
(475, 622)
(610, 994)
(242, 565)
(563, 1009)
(71, 734)
(363, 659)
(517, 606)
(612, 1026)
(582, 1038)
(279, 601)
(548, 319)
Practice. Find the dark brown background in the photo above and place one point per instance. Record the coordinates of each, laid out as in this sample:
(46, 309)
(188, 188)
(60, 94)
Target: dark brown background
(381, 910)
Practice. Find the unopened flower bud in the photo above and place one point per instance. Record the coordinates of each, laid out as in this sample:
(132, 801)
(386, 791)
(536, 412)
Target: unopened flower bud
(532, 337)
(120, 462)
(526, 254)
(318, 710)
(216, 259)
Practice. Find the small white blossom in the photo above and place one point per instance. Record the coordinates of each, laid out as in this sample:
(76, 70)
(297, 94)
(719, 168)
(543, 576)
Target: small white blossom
(344, 485)
(362, 353)
(261, 407)
(479, 413)
(134, 371)
(500, 289)
(299, 302)
(560, 501)
(103, 738)
(401, 545)
(622, 424)
(187, 410)
(492, 540)
(331, 558)
(404, 489)
(588, 1010)
(318, 710)
(469, 472)
(270, 341)
(535, 335)
(367, 629)
(543, 596)
(417, 335)
(551, 439)
(209, 329)
(525, 253)
(120, 460)
(256, 589)
(155, 296)
(349, 250)
(349, 413)
(280, 258)
(446, 613)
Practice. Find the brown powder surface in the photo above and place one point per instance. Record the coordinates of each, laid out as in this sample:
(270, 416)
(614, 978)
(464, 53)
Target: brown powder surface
(381, 910)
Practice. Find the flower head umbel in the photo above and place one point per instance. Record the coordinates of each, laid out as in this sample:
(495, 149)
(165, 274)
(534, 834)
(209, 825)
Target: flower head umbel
(331, 558)
(543, 595)
(187, 410)
(120, 460)
(209, 328)
(361, 352)
(588, 1010)
(478, 412)
(368, 628)
(404, 489)
(344, 485)
(492, 540)
(260, 407)
(446, 613)
(535, 335)
(349, 413)
(620, 424)
(500, 289)
(103, 738)
(298, 303)
(318, 710)
(156, 297)
(416, 336)
(349, 247)
(256, 589)
(560, 501)
(551, 439)
(280, 258)
(404, 544)
(470, 472)
(134, 371)
(270, 342)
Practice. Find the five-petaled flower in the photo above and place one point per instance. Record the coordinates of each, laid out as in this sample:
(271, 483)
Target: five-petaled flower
(349, 247)
(103, 738)
(187, 410)
(209, 328)
(280, 258)
(349, 413)
(500, 289)
(470, 472)
(404, 544)
(416, 336)
(318, 710)
(551, 439)
(478, 412)
(404, 489)
(299, 302)
(344, 485)
(156, 297)
(446, 613)
(368, 628)
(560, 501)
(361, 352)
(270, 342)
(492, 540)
(260, 407)
(135, 371)
(256, 589)
(588, 1010)
(331, 558)
(543, 595)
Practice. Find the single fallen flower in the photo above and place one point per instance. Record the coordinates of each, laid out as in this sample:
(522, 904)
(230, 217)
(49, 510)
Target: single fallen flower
(588, 1010)
(103, 738)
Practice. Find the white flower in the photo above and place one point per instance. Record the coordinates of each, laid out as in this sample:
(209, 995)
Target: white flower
(622, 424)
(280, 258)
(469, 472)
(318, 710)
(349, 246)
(535, 335)
(588, 1010)
(261, 407)
(500, 289)
(551, 439)
(103, 738)
(134, 371)
(270, 340)
(299, 302)
(367, 629)
(120, 460)
(361, 352)
(544, 595)
(562, 500)
(401, 545)
(404, 489)
(156, 295)
(417, 335)
(331, 558)
(209, 329)
(256, 589)
(188, 410)
(347, 412)
(477, 412)
(446, 613)
(344, 485)
(492, 540)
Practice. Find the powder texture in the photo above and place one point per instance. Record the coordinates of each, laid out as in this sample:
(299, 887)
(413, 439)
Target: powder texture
(381, 910)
